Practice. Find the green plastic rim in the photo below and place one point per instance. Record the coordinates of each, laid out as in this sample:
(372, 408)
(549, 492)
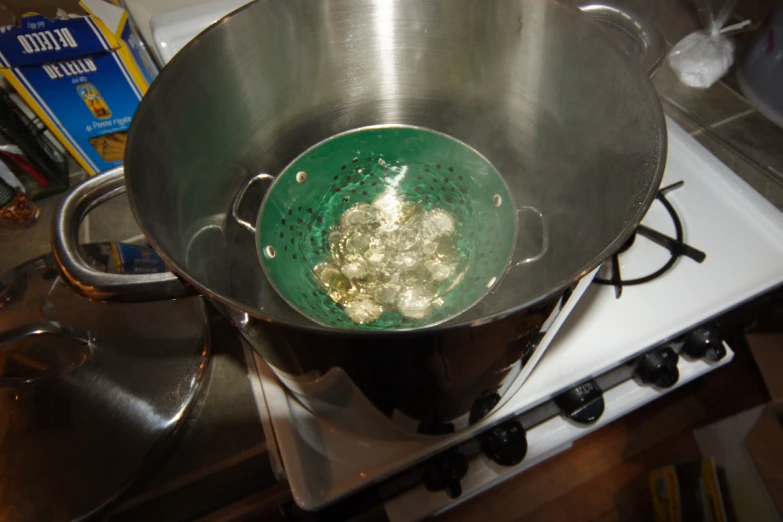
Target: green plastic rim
(305, 202)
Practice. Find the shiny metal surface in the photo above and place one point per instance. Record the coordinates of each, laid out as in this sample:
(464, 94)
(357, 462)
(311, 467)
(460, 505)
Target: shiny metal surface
(29, 331)
(572, 123)
(632, 31)
(430, 383)
(85, 279)
(220, 456)
(569, 120)
(61, 361)
(90, 392)
(235, 205)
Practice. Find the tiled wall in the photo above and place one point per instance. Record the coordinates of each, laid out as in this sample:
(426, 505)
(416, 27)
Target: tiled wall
(720, 117)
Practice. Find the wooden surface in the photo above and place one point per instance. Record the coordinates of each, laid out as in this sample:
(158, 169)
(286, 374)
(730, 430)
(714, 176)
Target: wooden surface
(603, 477)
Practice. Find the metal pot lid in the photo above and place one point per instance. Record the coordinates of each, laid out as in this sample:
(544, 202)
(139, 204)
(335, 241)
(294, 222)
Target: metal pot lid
(90, 392)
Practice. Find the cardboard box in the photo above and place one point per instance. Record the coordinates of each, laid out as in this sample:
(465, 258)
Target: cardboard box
(687, 492)
(83, 75)
(765, 445)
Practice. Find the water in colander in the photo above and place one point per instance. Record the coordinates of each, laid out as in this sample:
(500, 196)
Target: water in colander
(391, 255)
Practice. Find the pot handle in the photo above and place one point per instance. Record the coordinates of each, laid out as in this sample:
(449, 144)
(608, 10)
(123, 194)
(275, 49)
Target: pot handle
(642, 30)
(86, 280)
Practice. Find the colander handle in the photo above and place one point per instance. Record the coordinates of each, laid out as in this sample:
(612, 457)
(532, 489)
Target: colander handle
(532, 237)
(247, 225)
(635, 25)
(88, 281)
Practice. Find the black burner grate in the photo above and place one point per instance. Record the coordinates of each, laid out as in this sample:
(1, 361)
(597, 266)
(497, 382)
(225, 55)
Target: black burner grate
(675, 245)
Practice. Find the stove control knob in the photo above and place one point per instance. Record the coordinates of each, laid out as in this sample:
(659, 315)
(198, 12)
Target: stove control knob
(444, 472)
(505, 444)
(704, 343)
(658, 368)
(583, 403)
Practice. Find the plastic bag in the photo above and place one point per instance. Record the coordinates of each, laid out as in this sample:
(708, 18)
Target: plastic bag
(702, 58)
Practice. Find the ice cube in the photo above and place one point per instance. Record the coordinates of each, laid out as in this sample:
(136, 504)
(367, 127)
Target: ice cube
(337, 285)
(416, 276)
(360, 215)
(408, 211)
(405, 238)
(335, 245)
(375, 256)
(429, 247)
(388, 204)
(387, 294)
(406, 261)
(437, 223)
(438, 271)
(415, 303)
(363, 309)
(324, 272)
(391, 255)
(357, 270)
(356, 243)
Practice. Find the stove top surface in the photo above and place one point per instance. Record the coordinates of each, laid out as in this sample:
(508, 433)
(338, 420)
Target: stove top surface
(741, 237)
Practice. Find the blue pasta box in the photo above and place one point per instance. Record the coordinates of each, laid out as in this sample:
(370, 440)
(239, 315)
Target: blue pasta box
(83, 74)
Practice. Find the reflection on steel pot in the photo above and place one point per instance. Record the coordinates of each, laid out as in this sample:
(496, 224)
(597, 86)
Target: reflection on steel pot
(570, 123)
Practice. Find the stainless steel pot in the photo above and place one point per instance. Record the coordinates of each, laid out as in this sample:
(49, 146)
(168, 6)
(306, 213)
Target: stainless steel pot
(572, 124)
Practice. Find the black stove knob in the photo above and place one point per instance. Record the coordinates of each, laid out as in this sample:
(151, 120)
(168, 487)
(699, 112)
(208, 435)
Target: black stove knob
(505, 444)
(444, 472)
(584, 403)
(659, 368)
(704, 343)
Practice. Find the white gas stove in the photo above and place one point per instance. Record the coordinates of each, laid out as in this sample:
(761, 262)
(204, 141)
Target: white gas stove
(622, 346)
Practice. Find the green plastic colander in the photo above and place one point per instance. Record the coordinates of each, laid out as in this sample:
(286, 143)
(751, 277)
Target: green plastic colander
(305, 202)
